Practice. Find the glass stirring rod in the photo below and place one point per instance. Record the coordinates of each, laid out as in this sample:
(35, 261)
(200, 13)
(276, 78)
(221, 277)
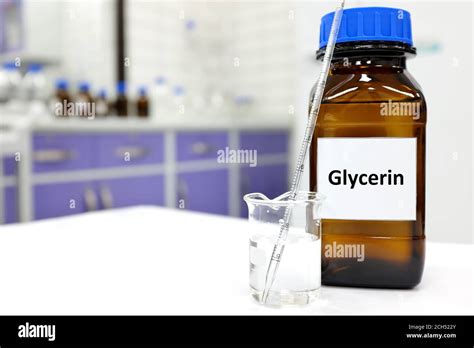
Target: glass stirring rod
(308, 136)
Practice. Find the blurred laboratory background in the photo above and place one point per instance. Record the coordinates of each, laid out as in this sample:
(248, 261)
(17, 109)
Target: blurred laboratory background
(113, 103)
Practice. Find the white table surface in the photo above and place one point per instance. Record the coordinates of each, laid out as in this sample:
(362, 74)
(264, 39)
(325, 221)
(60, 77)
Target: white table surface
(154, 261)
(9, 142)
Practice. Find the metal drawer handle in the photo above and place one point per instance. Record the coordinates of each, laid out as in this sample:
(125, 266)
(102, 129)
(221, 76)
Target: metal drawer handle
(182, 193)
(90, 199)
(106, 197)
(132, 151)
(53, 156)
(202, 148)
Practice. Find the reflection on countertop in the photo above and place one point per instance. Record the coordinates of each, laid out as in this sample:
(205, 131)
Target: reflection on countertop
(111, 123)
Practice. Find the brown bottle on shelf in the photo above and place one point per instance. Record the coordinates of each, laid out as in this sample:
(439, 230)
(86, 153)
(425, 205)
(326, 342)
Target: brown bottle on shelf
(102, 105)
(121, 103)
(142, 103)
(61, 99)
(368, 154)
(84, 101)
(84, 95)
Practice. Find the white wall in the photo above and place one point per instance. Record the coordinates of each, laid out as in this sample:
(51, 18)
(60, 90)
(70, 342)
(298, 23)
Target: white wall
(88, 42)
(41, 28)
(75, 36)
(237, 48)
(445, 76)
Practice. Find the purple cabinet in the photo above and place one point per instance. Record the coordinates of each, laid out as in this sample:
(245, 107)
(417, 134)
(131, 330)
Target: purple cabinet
(146, 190)
(9, 166)
(204, 191)
(53, 200)
(60, 152)
(125, 149)
(265, 142)
(271, 180)
(200, 145)
(10, 198)
(10, 193)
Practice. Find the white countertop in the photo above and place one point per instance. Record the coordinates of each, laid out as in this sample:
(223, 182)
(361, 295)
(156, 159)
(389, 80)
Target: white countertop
(9, 142)
(133, 123)
(148, 260)
(11, 131)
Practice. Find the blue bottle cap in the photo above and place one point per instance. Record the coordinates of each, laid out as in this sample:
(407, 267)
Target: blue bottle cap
(178, 91)
(35, 67)
(243, 99)
(190, 24)
(9, 66)
(142, 91)
(369, 24)
(62, 84)
(121, 87)
(102, 93)
(160, 80)
(84, 86)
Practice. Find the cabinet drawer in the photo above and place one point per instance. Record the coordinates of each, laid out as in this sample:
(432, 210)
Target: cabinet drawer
(58, 152)
(54, 200)
(9, 166)
(200, 145)
(265, 142)
(146, 190)
(205, 191)
(10, 205)
(129, 149)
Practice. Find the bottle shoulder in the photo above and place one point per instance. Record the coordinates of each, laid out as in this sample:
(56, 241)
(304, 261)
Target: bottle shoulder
(362, 97)
(371, 86)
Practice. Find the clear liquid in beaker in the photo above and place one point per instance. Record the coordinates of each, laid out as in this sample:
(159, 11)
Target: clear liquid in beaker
(298, 278)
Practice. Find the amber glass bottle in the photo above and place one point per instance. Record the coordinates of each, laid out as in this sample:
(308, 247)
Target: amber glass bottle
(121, 103)
(142, 103)
(368, 154)
(61, 99)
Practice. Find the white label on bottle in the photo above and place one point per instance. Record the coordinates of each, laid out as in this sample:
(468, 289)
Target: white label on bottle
(367, 178)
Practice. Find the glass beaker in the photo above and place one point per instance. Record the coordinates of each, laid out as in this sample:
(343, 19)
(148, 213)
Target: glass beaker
(298, 278)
